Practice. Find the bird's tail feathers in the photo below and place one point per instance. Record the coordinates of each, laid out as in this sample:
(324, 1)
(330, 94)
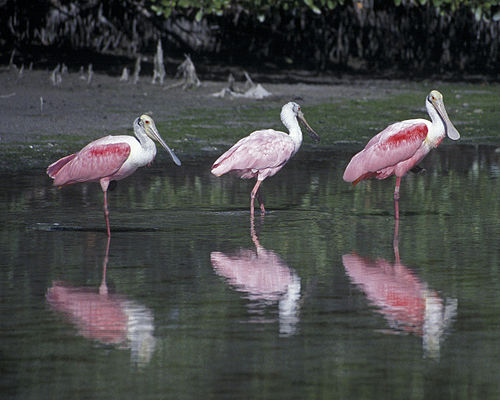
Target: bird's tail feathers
(220, 167)
(54, 168)
(214, 171)
(368, 175)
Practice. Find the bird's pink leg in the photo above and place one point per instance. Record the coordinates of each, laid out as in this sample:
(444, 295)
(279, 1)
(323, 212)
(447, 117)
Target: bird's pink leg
(252, 196)
(106, 212)
(261, 202)
(396, 197)
(396, 189)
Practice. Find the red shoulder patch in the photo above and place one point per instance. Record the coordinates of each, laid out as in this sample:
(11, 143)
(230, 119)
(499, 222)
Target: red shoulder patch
(411, 133)
(113, 149)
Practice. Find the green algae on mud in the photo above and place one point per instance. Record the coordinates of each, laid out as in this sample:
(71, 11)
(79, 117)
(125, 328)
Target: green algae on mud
(472, 109)
(38, 153)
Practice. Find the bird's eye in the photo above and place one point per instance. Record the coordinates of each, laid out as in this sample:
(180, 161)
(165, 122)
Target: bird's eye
(147, 122)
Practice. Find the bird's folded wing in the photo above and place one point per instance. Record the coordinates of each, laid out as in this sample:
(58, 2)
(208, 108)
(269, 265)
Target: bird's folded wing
(93, 163)
(397, 143)
(262, 149)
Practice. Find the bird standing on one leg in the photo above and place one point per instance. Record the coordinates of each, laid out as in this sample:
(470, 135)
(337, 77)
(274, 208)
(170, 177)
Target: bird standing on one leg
(401, 146)
(263, 153)
(110, 158)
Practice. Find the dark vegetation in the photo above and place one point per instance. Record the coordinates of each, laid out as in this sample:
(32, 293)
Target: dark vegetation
(455, 37)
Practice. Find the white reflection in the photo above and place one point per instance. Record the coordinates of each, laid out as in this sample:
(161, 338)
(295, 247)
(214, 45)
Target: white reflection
(110, 319)
(264, 278)
(402, 298)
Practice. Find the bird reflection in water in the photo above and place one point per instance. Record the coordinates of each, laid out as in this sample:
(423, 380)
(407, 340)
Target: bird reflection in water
(265, 279)
(406, 302)
(109, 319)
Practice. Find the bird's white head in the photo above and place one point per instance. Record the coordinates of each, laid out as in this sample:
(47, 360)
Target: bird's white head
(146, 125)
(290, 113)
(435, 105)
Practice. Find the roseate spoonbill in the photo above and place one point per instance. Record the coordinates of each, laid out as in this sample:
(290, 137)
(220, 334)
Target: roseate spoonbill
(264, 152)
(401, 146)
(110, 158)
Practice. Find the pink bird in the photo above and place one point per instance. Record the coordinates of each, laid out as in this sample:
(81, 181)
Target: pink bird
(263, 153)
(401, 146)
(110, 158)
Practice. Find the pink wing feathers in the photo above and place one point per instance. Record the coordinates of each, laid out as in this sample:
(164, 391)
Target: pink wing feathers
(54, 168)
(401, 142)
(261, 150)
(95, 161)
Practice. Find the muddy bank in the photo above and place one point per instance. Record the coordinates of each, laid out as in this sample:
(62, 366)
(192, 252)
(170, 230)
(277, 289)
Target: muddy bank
(108, 105)
(41, 121)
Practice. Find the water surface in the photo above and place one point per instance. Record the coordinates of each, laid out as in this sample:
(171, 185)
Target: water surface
(192, 299)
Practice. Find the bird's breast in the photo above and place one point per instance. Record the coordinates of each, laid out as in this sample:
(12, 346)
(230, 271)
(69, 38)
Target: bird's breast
(434, 140)
(142, 154)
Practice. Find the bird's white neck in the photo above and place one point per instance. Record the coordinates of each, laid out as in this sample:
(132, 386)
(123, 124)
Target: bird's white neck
(437, 130)
(147, 144)
(289, 119)
(144, 139)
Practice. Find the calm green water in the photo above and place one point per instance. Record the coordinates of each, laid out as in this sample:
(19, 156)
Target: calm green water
(313, 302)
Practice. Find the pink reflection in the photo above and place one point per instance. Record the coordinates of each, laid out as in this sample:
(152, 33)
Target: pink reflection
(402, 298)
(99, 317)
(111, 319)
(264, 277)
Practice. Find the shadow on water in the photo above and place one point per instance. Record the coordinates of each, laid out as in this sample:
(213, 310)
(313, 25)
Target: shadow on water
(108, 318)
(56, 227)
(405, 301)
